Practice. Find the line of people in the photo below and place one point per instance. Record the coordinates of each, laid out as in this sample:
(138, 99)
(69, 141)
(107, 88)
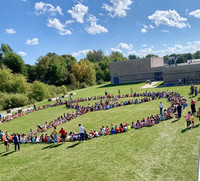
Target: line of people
(174, 98)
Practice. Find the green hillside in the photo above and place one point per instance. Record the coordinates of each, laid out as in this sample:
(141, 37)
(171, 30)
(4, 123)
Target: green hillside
(166, 151)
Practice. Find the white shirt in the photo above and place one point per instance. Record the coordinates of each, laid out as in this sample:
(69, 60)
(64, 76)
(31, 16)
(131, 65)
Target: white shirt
(160, 105)
(81, 129)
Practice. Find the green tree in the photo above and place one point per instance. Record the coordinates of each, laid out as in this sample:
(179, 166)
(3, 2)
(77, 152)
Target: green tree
(151, 55)
(84, 72)
(73, 79)
(15, 63)
(132, 56)
(42, 68)
(54, 73)
(12, 83)
(32, 73)
(63, 89)
(196, 55)
(116, 57)
(95, 56)
(39, 91)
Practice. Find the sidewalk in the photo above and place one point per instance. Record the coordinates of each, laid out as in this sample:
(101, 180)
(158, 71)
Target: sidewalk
(149, 85)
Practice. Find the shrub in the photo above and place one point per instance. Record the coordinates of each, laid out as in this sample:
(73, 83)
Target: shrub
(13, 100)
(99, 82)
(39, 91)
(83, 85)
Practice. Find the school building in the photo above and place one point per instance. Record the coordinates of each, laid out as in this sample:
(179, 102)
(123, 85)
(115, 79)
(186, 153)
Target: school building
(154, 69)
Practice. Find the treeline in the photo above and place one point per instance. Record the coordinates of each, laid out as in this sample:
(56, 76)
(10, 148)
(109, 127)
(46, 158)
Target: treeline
(60, 70)
(53, 74)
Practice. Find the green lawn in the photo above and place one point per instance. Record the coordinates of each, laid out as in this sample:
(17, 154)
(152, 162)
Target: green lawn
(163, 152)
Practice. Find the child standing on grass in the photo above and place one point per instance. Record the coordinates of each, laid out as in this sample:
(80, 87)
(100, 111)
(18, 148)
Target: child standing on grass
(55, 132)
(192, 120)
(63, 134)
(188, 120)
(6, 144)
(16, 142)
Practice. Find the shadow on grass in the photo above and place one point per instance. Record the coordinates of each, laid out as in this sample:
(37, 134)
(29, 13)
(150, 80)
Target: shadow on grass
(8, 153)
(2, 152)
(175, 120)
(113, 85)
(51, 146)
(74, 145)
(187, 129)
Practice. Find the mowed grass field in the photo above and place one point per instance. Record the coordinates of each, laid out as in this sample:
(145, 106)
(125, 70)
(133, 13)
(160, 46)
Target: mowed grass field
(163, 152)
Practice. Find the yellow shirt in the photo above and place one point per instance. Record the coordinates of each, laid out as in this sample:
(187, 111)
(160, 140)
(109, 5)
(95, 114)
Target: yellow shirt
(55, 131)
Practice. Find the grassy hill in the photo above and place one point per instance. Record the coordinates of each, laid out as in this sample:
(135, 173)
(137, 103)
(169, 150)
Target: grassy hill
(163, 152)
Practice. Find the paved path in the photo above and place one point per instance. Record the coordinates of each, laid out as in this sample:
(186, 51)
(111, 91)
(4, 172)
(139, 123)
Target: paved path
(149, 85)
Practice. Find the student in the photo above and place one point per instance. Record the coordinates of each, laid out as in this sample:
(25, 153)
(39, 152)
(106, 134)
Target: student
(179, 110)
(116, 129)
(192, 120)
(81, 132)
(96, 134)
(112, 131)
(121, 129)
(161, 107)
(111, 127)
(107, 130)
(188, 117)
(63, 134)
(133, 125)
(55, 133)
(193, 109)
(16, 142)
(6, 144)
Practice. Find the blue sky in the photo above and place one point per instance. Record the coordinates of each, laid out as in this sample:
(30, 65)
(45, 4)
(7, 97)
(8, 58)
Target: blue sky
(33, 28)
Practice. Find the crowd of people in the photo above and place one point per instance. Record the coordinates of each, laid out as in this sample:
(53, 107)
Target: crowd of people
(177, 103)
(9, 117)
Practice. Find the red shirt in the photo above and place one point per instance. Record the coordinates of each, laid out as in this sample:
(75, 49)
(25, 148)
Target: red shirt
(121, 129)
(45, 139)
(62, 132)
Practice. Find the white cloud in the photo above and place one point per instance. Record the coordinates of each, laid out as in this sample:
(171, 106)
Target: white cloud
(165, 45)
(178, 48)
(151, 26)
(82, 52)
(118, 7)
(55, 23)
(116, 50)
(43, 8)
(34, 41)
(144, 45)
(165, 31)
(94, 27)
(169, 18)
(195, 13)
(125, 46)
(69, 21)
(22, 53)
(143, 30)
(10, 31)
(186, 48)
(78, 12)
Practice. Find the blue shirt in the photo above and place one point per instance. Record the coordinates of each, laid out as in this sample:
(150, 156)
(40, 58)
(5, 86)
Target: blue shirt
(15, 139)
